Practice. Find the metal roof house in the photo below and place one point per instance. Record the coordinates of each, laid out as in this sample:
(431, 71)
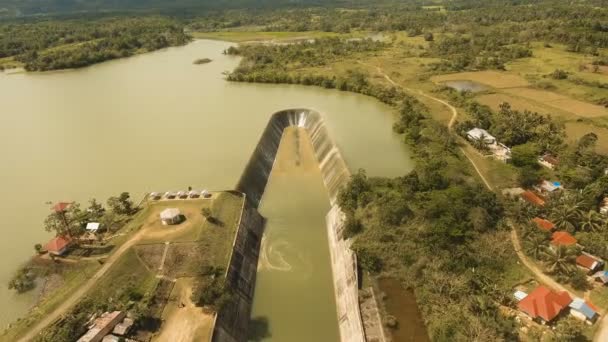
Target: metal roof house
(479, 133)
(601, 276)
(589, 262)
(58, 245)
(170, 216)
(92, 227)
(583, 310)
(543, 304)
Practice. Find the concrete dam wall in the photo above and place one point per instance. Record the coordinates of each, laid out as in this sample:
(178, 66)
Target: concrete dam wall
(232, 322)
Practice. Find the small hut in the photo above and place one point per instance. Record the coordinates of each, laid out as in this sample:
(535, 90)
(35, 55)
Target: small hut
(155, 196)
(170, 216)
(194, 194)
(182, 194)
(205, 194)
(170, 195)
(92, 227)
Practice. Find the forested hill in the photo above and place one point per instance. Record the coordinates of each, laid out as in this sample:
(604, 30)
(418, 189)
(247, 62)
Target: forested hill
(20, 8)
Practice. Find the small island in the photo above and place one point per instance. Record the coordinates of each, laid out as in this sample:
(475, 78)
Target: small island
(202, 61)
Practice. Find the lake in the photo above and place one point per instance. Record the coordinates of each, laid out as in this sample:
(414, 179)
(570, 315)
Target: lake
(158, 122)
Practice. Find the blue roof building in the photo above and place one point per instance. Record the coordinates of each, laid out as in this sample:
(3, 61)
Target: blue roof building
(582, 310)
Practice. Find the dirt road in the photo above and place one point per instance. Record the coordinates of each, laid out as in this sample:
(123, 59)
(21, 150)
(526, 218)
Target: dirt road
(78, 294)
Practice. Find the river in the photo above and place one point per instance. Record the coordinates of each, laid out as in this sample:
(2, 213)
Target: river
(157, 122)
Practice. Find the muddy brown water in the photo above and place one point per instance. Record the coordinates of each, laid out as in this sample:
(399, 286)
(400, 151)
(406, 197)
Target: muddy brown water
(401, 304)
(158, 122)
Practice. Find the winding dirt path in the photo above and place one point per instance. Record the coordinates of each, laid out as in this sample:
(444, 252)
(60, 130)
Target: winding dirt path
(602, 334)
(82, 290)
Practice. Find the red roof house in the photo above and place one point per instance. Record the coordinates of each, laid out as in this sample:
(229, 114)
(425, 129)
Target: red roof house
(589, 262)
(532, 198)
(544, 224)
(61, 207)
(544, 304)
(563, 239)
(58, 245)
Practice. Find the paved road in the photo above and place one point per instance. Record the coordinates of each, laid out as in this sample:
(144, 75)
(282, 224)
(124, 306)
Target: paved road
(78, 294)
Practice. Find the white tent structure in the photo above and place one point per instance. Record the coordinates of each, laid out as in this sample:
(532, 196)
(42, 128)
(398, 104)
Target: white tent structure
(92, 227)
(170, 216)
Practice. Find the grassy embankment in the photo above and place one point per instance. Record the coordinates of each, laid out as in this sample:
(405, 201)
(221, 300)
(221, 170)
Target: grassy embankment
(244, 35)
(194, 244)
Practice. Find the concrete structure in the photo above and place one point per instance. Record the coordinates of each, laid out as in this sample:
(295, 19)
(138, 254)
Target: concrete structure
(102, 326)
(155, 196)
(58, 245)
(123, 327)
(170, 195)
(583, 311)
(335, 176)
(547, 187)
(194, 194)
(543, 305)
(171, 216)
(182, 194)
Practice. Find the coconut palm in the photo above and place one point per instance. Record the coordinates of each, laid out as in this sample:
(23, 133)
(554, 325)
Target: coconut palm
(535, 245)
(592, 221)
(560, 260)
(480, 143)
(566, 216)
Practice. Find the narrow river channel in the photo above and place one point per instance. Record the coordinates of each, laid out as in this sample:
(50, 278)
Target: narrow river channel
(158, 122)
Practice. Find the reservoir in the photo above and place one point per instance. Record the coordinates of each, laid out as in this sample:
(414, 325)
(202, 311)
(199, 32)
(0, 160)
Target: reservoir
(158, 122)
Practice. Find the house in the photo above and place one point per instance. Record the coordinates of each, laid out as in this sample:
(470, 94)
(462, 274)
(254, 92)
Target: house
(543, 304)
(520, 295)
(562, 239)
(155, 196)
(589, 262)
(194, 194)
(543, 224)
(205, 194)
(604, 207)
(601, 276)
(182, 194)
(60, 207)
(479, 133)
(548, 161)
(58, 245)
(170, 195)
(532, 198)
(170, 216)
(547, 187)
(583, 310)
(92, 227)
(102, 326)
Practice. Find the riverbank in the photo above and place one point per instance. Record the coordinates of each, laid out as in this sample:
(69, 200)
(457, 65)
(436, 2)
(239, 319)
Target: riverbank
(137, 268)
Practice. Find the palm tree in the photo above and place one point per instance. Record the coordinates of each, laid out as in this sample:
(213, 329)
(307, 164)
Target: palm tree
(566, 216)
(592, 221)
(535, 246)
(480, 143)
(560, 260)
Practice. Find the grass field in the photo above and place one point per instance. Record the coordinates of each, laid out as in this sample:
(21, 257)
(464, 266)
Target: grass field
(251, 36)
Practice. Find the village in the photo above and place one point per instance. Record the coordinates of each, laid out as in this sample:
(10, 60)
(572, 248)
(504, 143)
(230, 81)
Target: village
(549, 219)
(146, 269)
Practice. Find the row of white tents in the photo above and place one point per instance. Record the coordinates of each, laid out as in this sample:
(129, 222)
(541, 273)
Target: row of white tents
(180, 195)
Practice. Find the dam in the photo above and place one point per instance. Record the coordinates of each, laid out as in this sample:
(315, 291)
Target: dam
(232, 322)
(206, 130)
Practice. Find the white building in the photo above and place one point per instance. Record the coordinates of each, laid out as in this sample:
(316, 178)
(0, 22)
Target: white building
(479, 133)
(92, 227)
(170, 216)
(604, 207)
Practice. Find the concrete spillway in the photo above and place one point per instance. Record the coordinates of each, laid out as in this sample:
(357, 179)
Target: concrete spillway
(231, 323)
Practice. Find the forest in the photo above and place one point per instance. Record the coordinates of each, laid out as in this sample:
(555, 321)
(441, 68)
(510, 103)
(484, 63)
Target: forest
(63, 44)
